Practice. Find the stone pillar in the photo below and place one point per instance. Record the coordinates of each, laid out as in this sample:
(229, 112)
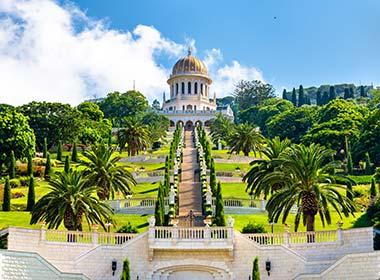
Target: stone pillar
(43, 233)
(207, 235)
(287, 237)
(340, 234)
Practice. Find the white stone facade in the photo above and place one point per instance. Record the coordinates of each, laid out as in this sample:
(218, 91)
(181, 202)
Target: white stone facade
(350, 256)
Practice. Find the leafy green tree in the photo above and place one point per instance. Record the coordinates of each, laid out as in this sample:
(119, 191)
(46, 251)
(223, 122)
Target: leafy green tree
(103, 171)
(362, 92)
(53, 121)
(301, 96)
(126, 273)
(259, 115)
(335, 121)
(255, 269)
(366, 142)
(30, 166)
(157, 125)
(47, 167)
(67, 165)
(91, 111)
(7, 195)
(310, 182)
(15, 135)
(135, 135)
(117, 106)
(12, 166)
(74, 153)
(219, 218)
(31, 195)
(71, 200)
(45, 149)
(251, 93)
(325, 98)
(90, 136)
(350, 165)
(59, 150)
(352, 92)
(261, 167)
(294, 97)
(246, 138)
(292, 124)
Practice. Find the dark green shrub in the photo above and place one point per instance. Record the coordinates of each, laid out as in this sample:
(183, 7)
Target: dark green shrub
(74, 153)
(219, 218)
(47, 167)
(253, 228)
(24, 181)
(45, 149)
(255, 269)
(30, 166)
(12, 165)
(67, 164)
(128, 228)
(126, 273)
(7, 195)
(31, 195)
(14, 183)
(59, 150)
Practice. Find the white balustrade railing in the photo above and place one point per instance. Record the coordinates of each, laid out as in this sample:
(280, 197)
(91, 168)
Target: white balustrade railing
(118, 204)
(287, 238)
(94, 237)
(191, 233)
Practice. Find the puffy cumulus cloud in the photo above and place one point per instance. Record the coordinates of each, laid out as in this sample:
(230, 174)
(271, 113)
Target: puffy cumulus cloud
(57, 53)
(226, 77)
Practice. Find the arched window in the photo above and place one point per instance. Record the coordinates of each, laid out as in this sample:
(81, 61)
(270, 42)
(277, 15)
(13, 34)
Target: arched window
(176, 88)
(196, 88)
(189, 107)
(202, 89)
(183, 88)
(195, 107)
(206, 89)
(189, 88)
(172, 91)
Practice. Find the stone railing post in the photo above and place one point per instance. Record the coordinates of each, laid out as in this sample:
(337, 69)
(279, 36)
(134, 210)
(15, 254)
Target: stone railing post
(340, 234)
(43, 233)
(175, 233)
(95, 235)
(287, 237)
(230, 229)
(151, 234)
(207, 233)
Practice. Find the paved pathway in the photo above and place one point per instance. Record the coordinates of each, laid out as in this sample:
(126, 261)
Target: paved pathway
(190, 197)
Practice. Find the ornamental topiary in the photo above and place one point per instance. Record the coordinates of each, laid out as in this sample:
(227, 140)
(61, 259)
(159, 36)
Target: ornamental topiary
(7, 196)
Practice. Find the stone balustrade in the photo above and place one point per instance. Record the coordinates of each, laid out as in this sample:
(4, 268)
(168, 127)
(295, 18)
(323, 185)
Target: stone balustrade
(288, 238)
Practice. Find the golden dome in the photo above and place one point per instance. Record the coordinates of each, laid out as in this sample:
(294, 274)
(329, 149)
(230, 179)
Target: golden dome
(189, 65)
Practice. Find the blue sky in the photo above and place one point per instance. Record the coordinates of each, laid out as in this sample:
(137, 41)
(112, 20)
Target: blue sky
(309, 42)
(59, 50)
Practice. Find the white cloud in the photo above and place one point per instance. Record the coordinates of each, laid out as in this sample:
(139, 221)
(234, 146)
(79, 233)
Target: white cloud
(57, 53)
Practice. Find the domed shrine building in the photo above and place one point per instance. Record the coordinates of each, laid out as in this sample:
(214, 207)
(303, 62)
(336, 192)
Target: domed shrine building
(190, 99)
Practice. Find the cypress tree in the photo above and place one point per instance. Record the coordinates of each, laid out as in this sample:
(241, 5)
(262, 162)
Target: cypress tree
(45, 149)
(47, 167)
(7, 195)
(352, 92)
(74, 153)
(368, 164)
(59, 150)
(301, 96)
(284, 95)
(350, 167)
(294, 97)
(30, 166)
(67, 164)
(332, 94)
(159, 211)
(373, 190)
(349, 193)
(362, 92)
(212, 177)
(255, 269)
(346, 93)
(31, 195)
(126, 273)
(325, 98)
(219, 208)
(12, 165)
(319, 98)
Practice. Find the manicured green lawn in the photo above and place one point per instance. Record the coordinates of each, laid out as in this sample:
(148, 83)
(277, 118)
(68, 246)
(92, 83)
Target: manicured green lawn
(230, 167)
(234, 190)
(262, 218)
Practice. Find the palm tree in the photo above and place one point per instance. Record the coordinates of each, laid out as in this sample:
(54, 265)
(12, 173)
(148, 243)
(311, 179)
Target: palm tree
(70, 200)
(102, 171)
(246, 138)
(221, 128)
(135, 135)
(307, 173)
(261, 167)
